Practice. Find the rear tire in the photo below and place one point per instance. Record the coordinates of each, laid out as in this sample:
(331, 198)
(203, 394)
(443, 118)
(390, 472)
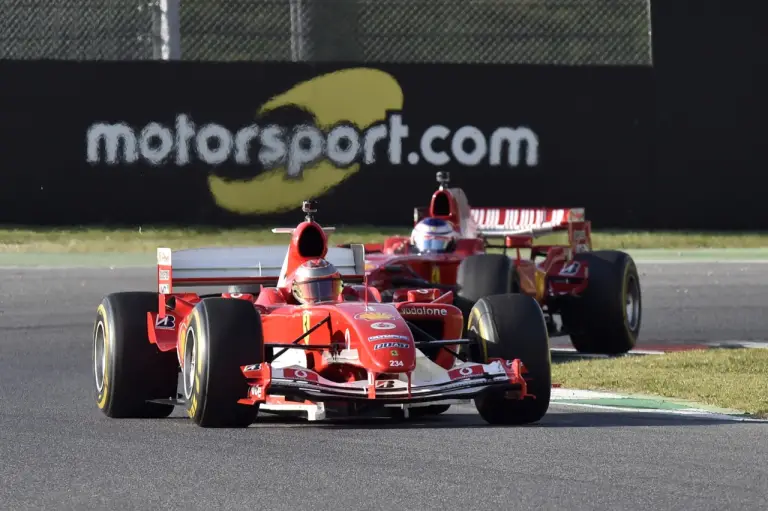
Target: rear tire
(483, 275)
(606, 318)
(128, 369)
(512, 327)
(223, 334)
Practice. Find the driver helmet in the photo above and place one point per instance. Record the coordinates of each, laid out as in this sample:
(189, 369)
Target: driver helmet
(434, 235)
(315, 281)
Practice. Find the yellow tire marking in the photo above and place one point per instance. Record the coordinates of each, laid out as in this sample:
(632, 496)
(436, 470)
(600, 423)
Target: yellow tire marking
(102, 312)
(475, 319)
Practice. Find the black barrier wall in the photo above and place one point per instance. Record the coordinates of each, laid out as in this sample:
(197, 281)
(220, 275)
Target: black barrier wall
(242, 143)
(710, 164)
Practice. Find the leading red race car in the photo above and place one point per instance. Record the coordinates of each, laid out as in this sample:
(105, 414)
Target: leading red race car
(595, 294)
(307, 343)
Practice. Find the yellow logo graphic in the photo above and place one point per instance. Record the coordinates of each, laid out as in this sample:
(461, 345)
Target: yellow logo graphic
(435, 274)
(306, 320)
(358, 96)
(374, 316)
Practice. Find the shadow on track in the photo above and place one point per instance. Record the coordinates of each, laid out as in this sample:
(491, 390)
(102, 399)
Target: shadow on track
(463, 421)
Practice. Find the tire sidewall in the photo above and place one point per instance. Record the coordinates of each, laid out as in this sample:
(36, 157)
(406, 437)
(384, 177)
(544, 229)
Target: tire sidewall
(197, 324)
(630, 273)
(105, 321)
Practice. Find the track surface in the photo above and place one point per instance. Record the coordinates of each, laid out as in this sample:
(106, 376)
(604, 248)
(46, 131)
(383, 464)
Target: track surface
(59, 452)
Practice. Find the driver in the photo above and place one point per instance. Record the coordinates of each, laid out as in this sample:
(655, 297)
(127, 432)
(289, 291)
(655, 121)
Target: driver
(316, 281)
(434, 235)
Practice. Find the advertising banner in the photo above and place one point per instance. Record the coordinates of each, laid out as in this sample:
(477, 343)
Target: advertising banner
(230, 144)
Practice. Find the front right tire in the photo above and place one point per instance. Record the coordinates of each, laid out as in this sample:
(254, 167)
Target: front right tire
(223, 335)
(512, 327)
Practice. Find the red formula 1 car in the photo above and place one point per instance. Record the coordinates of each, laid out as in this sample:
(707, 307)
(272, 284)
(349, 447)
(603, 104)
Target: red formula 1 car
(272, 351)
(594, 294)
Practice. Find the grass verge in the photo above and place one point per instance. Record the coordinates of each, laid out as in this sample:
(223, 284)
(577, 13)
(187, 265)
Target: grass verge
(726, 378)
(140, 240)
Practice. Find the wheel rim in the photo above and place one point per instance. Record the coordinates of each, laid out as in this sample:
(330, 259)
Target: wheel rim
(99, 356)
(190, 360)
(632, 303)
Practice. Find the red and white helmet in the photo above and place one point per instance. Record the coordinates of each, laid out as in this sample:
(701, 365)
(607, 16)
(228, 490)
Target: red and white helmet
(315, 281)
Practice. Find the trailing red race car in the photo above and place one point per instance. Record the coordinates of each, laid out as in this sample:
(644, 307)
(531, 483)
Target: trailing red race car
(595, 294)
(307, 342)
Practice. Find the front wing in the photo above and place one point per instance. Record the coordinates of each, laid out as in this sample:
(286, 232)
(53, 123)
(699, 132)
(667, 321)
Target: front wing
(466, 381)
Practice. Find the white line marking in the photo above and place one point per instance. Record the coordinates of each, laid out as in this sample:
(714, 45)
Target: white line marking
(688, 413)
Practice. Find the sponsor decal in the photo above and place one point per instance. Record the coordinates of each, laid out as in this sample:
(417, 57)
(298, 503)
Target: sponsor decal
(423, 311)
(166, 323)
(253, 367)
(383, 326)
(357, 119)
(374, 316)
(300, 374)
(165, 289)
(164, 256)
(386, 345)
(466, 371)
(389, 336)
(385, 384)
(164, 274)
(571, 269)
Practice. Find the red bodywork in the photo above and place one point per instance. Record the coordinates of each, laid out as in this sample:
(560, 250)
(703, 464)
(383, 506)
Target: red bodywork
(547, 273)
(384, 343)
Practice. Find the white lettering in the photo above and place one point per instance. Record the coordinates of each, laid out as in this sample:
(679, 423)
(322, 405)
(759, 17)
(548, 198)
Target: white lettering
(373, 135)
(514, 137)
(273, 146)
(185, 131)
(478, 140)
(219, 154)
(339, 155)
(397, 132)
(112, 135)
(432, 156)
(423, 311)
(155, 153)
(243, 144)
(303, 145)
(306, 146)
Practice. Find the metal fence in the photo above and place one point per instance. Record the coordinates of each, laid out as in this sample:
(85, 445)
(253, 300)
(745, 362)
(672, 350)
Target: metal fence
(567, 32)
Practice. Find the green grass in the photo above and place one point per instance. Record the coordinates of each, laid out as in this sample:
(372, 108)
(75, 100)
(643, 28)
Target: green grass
(141, 240)
(726, 378)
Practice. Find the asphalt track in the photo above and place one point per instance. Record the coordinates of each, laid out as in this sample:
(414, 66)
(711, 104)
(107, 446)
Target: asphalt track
(58, 452)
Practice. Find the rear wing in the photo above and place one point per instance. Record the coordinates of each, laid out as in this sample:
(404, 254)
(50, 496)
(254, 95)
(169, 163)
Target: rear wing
(228, 266)
(520, 226)
(499, 222)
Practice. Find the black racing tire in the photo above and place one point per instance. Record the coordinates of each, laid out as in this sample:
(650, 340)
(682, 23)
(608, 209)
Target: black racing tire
(512, 327)
(483, 275)
(128, 369)
(223, 334)
(606, 318)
